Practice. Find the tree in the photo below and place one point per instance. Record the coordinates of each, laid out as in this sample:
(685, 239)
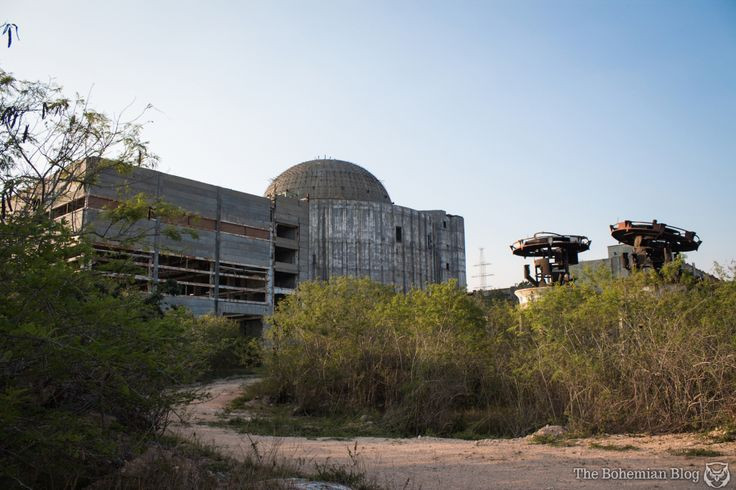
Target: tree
(51, 146)
(89, 365)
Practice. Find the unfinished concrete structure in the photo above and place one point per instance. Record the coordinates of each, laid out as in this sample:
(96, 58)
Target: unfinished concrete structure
(355, 229)
(318, 219)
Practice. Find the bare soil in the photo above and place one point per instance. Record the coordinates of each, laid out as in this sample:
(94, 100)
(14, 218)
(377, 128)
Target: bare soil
(433, 463)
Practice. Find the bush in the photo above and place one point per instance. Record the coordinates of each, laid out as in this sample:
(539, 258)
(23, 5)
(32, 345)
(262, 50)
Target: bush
(219, 343)
(352, 344)
(638, 354)
(178, 464)
(87, 363)
(651, 352)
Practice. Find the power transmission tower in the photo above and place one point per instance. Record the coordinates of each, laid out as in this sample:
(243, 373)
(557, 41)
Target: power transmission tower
(483, 273)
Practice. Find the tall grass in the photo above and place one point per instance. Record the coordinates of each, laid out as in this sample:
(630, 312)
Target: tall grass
(644, 353)
(349, 345)
(181, 464)
(649, 352)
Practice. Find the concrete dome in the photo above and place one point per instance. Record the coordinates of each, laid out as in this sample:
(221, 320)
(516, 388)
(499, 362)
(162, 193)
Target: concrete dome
(328, 179)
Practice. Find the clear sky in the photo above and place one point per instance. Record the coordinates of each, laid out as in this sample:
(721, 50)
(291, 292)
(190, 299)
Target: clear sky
(521, 116)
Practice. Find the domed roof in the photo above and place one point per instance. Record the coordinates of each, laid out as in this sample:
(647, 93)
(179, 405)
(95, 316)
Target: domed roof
(328, 179)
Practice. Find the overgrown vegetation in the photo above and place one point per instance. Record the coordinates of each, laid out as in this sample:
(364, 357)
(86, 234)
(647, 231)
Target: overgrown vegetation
(648, 353)
(613, 447)
(351, 345)
(90, 367)
(220, 344)
(175, 464)
(697, 452)
(553, 440)
(86, 361)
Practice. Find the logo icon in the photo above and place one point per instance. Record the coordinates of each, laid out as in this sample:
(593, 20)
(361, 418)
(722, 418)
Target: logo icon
(716, 475)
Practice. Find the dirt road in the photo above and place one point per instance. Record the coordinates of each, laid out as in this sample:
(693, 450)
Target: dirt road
(432, 463)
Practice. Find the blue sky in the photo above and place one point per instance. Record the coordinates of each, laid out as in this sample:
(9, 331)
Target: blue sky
(521, 116)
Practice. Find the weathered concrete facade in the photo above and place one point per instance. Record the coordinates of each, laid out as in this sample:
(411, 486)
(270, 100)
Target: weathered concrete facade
(230, 266)
(387, 243)
(355, 229)
(249, 251)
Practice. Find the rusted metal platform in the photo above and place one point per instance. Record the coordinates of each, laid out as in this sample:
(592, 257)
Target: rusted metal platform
(553, 253)
(654, 243)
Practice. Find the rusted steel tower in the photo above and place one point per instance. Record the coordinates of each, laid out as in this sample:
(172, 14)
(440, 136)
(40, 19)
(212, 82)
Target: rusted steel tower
(654, 243)
(553, 255)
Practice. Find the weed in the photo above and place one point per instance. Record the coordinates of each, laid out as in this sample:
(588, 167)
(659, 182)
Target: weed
(277, 420)
(556, 441)
(696, 452)
(174, 463)
(727, 434)
(606, 355)
(613, 447)
(352, 474)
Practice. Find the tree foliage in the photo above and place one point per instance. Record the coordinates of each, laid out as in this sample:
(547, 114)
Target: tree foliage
(652, 352)
(48, 142)
(87, 362)
(220, 344)
(90, 366)
(8, 29)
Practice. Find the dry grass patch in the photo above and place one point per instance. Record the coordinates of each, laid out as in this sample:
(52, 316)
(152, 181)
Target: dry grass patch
(695, 452)
(613, 447)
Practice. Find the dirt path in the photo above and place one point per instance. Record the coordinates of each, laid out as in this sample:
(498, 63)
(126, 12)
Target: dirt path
(432, 463)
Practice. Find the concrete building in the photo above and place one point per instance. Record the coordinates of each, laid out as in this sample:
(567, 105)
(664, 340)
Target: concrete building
(613, 262)
(318, 219)
(355, 229)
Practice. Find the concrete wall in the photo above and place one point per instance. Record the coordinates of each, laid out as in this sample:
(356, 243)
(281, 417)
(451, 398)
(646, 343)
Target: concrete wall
(295, 213)
(361, 239)
(613, 262)
(206, 201)
(332, 237)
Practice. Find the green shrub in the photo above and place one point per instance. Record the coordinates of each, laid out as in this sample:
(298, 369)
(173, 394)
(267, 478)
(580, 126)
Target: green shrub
(350, 344)
(646, 353)
(87, 363)
(650, 352)
(220, 344)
